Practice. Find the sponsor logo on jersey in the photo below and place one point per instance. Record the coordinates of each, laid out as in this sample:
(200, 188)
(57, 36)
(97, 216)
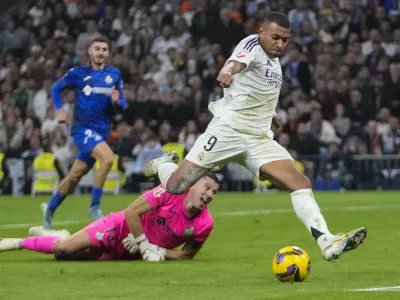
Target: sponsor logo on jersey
(269, 64)
(87, 78)
(274, 78)
(88, 90)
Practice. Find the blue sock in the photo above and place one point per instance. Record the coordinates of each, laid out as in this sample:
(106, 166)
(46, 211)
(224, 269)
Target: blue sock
(97, 194)
(56, 201)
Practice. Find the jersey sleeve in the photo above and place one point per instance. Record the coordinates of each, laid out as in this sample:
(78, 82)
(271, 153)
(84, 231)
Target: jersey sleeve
(245, 51)
(120, 87)
(156, 196)
(203, 230)
(70, 78)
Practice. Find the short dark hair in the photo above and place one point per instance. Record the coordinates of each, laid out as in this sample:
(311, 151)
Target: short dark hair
(213, 176)
(279, 18)
(100, 39)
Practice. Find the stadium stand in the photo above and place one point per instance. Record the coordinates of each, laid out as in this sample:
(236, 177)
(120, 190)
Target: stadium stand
(339, 100)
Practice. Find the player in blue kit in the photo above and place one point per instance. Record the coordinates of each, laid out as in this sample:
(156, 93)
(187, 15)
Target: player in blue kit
(97, 88)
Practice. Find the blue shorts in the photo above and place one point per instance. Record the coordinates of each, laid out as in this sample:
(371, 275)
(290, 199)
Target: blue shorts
(86, 140)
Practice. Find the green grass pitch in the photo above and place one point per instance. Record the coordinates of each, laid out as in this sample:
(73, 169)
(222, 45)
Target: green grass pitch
(235, 263)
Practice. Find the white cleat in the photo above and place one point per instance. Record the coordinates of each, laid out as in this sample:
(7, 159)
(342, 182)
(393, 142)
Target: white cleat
(42, 231)
(9, 244)
(344, 243)
(151, 169)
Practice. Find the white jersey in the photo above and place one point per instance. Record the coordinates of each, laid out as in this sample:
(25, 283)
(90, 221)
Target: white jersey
(249, 103)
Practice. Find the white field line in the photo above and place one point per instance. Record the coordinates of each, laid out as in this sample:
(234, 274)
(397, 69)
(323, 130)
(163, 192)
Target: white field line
(228, 214)
(28, 225)
(378, 289)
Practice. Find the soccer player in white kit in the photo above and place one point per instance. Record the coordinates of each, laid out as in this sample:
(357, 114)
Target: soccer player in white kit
(241, 131)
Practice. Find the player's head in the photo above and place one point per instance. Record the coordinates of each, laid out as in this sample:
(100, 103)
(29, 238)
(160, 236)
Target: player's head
(275, 33)
(99, 50)
(204, 190)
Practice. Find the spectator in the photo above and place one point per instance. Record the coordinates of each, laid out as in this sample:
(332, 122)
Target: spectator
(296, 71)
(303, 142)
(41, 99)
(188, 135)
(341, 122)
(372, 138)
(391, 138)
(321, 129)
(85, 37)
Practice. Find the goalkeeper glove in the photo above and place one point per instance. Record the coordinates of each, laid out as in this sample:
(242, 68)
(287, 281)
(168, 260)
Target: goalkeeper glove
(150, 252)
(130, 244)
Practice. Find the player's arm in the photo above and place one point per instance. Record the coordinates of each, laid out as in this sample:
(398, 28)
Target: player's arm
(118, 93)
(188, 251)
(231, 67)
(239, 61)
(133, 216)
(68, 80)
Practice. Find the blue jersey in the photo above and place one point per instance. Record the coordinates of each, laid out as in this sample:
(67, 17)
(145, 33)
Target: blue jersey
(93, 90)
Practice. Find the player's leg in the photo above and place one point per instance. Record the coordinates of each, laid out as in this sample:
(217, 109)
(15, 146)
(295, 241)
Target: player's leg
(276, 165)
(75, 247)
(175, 180)
(213, 148)
(103, 153)
(78, 170)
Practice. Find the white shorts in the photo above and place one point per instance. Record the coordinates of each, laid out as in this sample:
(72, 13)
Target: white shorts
(221, 144)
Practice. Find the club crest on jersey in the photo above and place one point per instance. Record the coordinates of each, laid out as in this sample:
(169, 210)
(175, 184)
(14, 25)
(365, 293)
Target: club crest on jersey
(200, 156)
(108, 79)
(99, 235)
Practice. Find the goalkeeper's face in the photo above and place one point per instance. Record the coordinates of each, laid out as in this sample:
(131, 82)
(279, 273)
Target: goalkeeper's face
(98, 53)
(204, 192)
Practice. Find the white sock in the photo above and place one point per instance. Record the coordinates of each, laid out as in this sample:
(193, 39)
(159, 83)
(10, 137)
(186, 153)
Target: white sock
(164, 172)
(307, 210)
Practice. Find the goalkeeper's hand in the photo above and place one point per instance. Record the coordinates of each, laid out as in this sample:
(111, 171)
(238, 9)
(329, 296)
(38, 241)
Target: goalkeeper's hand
(130, 244)
(149, 251)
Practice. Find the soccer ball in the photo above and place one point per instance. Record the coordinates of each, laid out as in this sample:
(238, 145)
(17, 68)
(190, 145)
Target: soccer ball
(291, 264)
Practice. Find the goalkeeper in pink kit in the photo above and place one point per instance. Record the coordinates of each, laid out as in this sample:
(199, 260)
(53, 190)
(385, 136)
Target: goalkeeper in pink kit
(150, 228)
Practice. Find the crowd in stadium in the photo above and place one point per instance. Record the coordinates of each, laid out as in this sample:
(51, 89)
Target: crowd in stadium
(340, 93)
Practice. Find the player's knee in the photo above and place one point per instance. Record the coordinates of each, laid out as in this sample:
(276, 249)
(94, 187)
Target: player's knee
(62, 250)
(300, 182)
(107, 162)
(73, 179)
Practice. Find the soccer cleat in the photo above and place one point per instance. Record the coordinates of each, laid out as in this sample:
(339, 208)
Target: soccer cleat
(47, 215)
(152, 167)
(345, 242)
(7, 244)
(95, 212)
(42, 231)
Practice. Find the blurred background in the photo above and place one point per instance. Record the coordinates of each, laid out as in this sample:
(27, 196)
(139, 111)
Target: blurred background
(339, 103)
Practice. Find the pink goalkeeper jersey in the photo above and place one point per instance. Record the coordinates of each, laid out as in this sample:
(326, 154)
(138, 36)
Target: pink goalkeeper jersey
(167, 224)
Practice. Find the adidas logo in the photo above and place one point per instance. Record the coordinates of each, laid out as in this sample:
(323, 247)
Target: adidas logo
(269, 64)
